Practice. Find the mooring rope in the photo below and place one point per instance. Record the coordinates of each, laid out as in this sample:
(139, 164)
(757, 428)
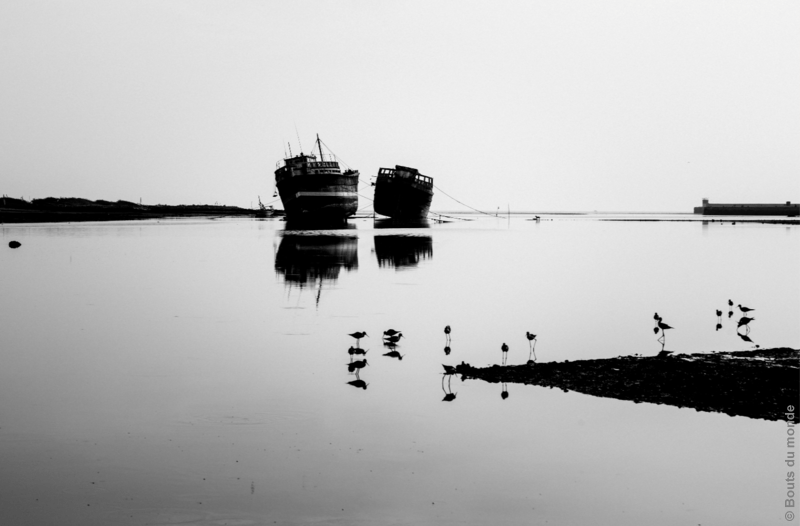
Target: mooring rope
(464, 204)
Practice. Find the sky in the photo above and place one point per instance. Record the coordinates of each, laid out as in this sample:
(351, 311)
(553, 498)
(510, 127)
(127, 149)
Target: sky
(562, 105)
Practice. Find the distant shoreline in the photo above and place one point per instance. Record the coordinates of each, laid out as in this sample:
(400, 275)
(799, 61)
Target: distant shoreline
(59, 209)
(73, 209)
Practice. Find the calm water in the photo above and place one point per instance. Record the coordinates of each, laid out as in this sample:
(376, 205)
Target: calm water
(196, 372)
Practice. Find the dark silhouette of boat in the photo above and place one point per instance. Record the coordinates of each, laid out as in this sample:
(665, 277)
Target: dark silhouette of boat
(314, 189)
(403, 193)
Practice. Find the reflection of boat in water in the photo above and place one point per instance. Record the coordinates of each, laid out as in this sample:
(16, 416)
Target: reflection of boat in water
(402, 251)
(403, 193)
(305, 259)
(312, 189)
(388, 222)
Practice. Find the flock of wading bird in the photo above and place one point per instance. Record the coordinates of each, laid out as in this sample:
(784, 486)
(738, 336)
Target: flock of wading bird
(744, 321)
(391, 338)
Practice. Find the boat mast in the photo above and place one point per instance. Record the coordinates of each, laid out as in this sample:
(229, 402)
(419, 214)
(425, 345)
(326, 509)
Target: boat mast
(319, 145)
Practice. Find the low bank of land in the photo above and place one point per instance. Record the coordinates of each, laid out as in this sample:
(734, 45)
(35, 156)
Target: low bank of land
(64, 209)
(758, 384)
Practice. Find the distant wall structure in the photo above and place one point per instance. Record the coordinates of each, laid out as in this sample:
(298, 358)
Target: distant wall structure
(718, 209)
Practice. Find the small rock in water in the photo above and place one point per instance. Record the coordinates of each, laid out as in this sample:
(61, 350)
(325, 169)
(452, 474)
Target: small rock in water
(15, 244)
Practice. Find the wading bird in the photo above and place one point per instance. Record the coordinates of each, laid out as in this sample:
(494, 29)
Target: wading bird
(355, 366)
(358, 382)
(355, 350)
(390, 332)
(504, 348)
(664, 327)
(744, 310)
(358, 336)
(447, 332)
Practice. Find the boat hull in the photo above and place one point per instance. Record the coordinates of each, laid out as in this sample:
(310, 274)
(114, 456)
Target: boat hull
(322, 197)
(402, 199)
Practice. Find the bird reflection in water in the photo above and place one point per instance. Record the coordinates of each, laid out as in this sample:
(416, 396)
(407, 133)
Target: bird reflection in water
(447, 350)
(394, 354)
(356, 350)
(358, 382)
(308, 258)
(504, 393)
(449, 395)
(356, 365)
(392, 339)
(719, 319)
(744, 321)
(401, 251)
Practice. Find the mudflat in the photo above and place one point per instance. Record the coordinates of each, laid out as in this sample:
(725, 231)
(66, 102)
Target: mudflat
(760, 383)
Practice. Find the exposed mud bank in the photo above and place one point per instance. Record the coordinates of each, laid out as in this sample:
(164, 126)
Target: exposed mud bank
(756, 384)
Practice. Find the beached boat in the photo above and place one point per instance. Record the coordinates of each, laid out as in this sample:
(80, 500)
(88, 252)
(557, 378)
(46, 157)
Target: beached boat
(316, 189)
(403, 193)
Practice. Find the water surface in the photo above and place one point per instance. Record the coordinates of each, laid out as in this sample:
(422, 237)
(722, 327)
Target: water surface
(196, 372)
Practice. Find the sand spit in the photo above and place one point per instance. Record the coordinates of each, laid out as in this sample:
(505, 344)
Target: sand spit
(756, 384)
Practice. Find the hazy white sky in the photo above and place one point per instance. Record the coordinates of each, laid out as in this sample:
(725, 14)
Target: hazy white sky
(537, 105)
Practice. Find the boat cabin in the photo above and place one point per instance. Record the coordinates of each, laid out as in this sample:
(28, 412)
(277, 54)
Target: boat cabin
(405, 173)
(305, 165)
